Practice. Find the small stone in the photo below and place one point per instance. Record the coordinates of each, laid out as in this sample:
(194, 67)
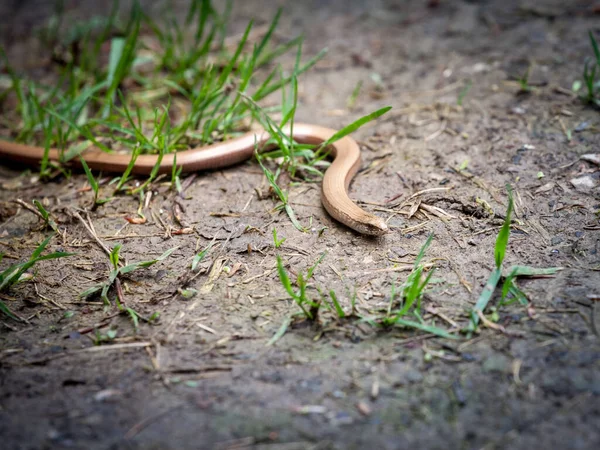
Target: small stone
(481, 67)
(106, 394)
(582, 126)
(341, 418)
(593, 158)
(556, 240)
(364, 408)
(584, 183)
(400, 252)
(53, 434)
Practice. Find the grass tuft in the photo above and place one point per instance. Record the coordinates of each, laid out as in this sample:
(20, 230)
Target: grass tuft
(309, 307)
(591, 76)
(159, 93)
(510, 290)
(12, 275)
(117, 271)
(411, 294)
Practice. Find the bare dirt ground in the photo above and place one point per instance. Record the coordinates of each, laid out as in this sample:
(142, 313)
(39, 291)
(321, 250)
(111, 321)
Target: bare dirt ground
(203, 377)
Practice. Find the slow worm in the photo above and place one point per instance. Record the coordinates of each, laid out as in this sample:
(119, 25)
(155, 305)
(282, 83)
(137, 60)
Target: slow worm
(345, 153)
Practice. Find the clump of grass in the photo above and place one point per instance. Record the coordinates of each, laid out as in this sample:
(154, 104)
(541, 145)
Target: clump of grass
(150, 65)
(404, 308)
(309, 307)
(463, 92)
(351, 102)
(411, 291)
(104, 338)
(13, 273)
(523, 81)
(406, 312)
(591, 76)
(510, 290)
(126, 104)
(49, 221)
(199, 257)
(118, 270)
(277, 242)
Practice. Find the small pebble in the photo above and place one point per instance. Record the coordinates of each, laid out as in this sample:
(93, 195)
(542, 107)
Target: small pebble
(584, 183)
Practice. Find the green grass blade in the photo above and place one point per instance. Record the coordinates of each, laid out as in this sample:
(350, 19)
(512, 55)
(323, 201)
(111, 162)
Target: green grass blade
(285, 280)
(336, 304)
(127, 172)
(134, 318)
(424, 248)
(269, 33)
(117, 45)
(484, 298)
(428, 328)
(262, 93)
(518, 293)
(204, 12)
(291, 112)
(292, 215)
(527, 271)
(76, 150)
(281, 331)
(13, 273)
(595, 47)
(82, 130)
(90, 176)
(92, 290)
(200, 256)
(6, 311)
(231, 64)
(503, 235)
(126, 55)
(355, 126)
(40, 248)
(311, 269)
(278, 51)
(47, 144)
(510, 286)
(42, 210)
(114, 255)
(144, 264)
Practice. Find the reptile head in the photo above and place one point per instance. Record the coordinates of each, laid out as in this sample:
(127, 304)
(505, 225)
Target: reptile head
(373, 226)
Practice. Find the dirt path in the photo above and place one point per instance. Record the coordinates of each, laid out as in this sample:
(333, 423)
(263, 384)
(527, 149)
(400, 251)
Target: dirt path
(203, 377)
